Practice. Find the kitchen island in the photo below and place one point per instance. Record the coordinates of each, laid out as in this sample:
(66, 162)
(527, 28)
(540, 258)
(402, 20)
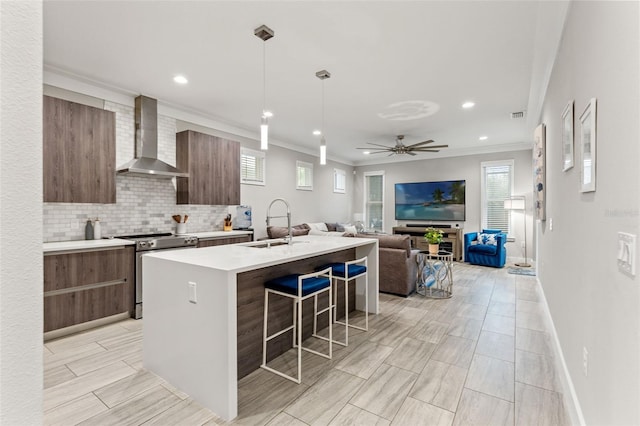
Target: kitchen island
(204, 309)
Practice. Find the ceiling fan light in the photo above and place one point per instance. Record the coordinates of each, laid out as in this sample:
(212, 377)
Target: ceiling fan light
(468, 104)
(483, 138)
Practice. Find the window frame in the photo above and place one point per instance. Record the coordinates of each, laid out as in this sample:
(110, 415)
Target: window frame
(308, 166)
(337, 173)
(366, 197)
(483, 191)
(257, 155)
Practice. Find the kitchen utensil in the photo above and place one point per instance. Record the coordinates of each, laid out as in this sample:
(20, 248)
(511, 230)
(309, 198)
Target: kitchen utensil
(186, 216)
(176, 217)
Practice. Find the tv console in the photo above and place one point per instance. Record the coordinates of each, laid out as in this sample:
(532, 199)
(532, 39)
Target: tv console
(452, 241)
(425, 225)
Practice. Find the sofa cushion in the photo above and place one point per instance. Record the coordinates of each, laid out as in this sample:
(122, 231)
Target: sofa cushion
(319, 226)
(400, 242)
(484, 248)
(283, 231)
(325, 234)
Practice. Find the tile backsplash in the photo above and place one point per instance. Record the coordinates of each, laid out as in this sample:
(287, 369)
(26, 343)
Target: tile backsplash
(142, 205)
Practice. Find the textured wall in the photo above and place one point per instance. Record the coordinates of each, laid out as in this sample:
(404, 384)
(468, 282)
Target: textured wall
(21, 213)
(142, 204)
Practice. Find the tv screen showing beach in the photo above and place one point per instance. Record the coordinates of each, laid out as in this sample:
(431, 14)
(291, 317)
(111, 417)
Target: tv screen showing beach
(431, 200)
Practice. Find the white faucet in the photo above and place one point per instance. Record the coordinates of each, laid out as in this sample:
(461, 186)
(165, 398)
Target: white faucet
(288, 238)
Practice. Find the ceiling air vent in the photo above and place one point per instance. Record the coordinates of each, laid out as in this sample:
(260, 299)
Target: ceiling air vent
(519, 114)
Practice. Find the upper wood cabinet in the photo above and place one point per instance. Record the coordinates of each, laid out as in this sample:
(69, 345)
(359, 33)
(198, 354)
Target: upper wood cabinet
(79, 153)
(213, 165)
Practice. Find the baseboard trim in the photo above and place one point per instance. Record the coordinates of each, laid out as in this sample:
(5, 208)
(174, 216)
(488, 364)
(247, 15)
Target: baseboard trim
(77, 328)
(568, 390)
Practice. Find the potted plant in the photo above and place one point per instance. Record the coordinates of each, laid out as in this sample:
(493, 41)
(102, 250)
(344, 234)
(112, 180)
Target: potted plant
(434, 237)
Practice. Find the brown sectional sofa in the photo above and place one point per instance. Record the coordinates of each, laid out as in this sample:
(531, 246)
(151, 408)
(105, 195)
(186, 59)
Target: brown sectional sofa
(397, 262)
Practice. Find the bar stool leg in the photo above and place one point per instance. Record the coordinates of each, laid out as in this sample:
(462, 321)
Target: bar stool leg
(264, 328)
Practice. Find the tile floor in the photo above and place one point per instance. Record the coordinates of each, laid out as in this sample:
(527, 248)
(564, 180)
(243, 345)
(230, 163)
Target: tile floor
(482, 357)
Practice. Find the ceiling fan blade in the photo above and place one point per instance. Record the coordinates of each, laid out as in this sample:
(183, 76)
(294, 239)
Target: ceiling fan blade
(411, 153)
(420, 143)
(377, 144)
(377, 152)
(430, 147)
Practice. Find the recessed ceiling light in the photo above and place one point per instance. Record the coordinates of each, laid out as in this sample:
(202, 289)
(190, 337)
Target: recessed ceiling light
(366, 152)
(468, 105)
(317, 132)
(483, 138)
(180, 79)
(267, 114)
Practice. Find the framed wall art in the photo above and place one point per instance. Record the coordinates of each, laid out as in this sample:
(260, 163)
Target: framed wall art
(539, 183)
(588, 148)
(567, 137)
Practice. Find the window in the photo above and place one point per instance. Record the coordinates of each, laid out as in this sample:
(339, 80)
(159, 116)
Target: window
(304, 176)
(339, 181)
(374, 200)
(252, 165)
(497, 185)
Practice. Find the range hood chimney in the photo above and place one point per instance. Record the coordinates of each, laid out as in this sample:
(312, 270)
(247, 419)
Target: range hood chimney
(146, 163)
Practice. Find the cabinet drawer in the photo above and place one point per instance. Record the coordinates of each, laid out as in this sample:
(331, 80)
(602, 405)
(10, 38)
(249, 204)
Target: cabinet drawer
(89, 285)
(91, 267)
(224, 241)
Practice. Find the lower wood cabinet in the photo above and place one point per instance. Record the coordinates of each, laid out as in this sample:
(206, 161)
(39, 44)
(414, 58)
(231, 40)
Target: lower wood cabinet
(83, 286)
(223, 241)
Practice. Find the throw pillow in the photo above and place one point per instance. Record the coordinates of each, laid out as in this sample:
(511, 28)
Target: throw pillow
(340, 226)
(320, 226)
(488, 239)
(350, 230)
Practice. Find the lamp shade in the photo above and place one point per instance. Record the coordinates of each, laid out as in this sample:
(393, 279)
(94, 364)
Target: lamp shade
(514, 204)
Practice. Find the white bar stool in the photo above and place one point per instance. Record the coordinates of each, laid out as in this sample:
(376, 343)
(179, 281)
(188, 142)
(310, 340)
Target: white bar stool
(298, 288)
(348, 272)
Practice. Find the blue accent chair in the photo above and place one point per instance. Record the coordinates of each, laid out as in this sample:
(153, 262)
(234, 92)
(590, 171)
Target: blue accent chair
(478, 253)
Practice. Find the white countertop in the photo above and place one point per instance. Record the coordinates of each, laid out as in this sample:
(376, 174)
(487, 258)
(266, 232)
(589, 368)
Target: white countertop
(84, 244)
(242, 257)
(219, 234)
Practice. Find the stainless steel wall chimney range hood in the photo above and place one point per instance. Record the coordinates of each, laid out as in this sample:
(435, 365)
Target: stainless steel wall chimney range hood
(146, 163)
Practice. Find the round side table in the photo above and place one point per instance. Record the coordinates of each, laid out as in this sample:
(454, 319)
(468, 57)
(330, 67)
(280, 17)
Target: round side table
(435, 274)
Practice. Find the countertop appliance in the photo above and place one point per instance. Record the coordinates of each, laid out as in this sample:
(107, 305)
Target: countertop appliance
(151, 242)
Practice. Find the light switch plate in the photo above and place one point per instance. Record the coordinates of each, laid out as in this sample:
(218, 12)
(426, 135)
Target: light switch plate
(627, 253)
(550, 224)
(192, 292)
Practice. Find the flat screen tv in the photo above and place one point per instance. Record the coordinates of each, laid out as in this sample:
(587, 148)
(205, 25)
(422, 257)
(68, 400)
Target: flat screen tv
(444, 200)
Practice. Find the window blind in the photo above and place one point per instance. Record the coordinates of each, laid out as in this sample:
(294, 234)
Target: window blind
(304, 176)
(252, 167)
(497, 188)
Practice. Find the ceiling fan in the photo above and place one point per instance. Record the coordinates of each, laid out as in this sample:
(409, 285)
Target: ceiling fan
(401, 148)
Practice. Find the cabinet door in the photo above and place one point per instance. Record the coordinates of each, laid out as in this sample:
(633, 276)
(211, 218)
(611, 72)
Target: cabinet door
(79, 153)
(213, 164)
(85, 286)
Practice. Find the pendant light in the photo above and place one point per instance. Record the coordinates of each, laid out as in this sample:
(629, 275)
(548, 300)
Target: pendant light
(323, 75)
(264, 33)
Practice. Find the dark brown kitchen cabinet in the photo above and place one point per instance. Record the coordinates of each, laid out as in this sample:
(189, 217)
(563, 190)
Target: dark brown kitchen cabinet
(83, 286)
(223, 241)
(213, 165)
(79, 153)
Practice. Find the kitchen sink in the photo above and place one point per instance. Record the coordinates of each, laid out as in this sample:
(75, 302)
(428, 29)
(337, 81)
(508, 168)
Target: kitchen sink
(269, 244)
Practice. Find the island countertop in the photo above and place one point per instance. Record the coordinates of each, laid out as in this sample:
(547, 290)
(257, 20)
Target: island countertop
(245, 256)
(204, 308)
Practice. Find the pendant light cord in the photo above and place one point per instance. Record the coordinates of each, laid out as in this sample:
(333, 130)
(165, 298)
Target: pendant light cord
(264, 77)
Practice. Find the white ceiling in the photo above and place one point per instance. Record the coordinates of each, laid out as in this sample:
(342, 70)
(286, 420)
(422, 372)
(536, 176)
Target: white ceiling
(379, 54)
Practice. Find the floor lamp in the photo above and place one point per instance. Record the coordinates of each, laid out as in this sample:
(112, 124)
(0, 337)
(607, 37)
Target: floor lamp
(518, 203)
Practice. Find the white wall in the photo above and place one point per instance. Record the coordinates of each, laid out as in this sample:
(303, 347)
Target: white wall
(592, 304)
(319, 205)
(21, 213)
(456, 168)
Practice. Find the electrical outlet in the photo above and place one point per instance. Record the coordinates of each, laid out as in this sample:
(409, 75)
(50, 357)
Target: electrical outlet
(585, 361)
(192, 292)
